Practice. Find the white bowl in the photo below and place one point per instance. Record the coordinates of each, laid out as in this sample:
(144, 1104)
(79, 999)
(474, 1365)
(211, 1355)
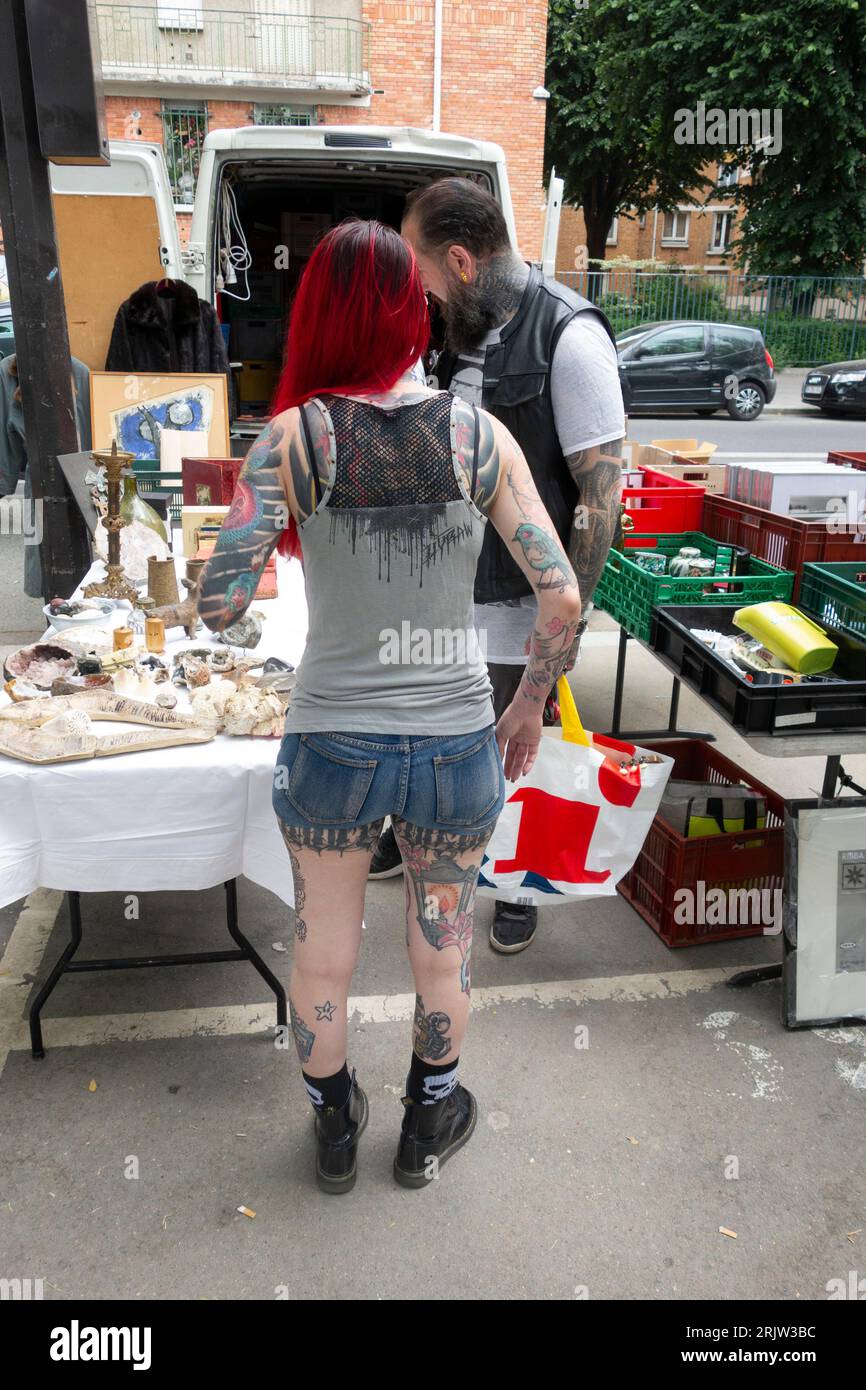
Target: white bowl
(59, 621)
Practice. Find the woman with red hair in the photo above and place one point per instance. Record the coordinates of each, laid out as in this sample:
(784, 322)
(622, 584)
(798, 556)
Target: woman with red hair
(388, 485)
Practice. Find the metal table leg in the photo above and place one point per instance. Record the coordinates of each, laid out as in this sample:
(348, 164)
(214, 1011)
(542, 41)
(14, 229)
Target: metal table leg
(646, 735)
(66, 965)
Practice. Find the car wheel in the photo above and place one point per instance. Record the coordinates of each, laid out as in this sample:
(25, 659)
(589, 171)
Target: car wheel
(748, 403)
(711, 410)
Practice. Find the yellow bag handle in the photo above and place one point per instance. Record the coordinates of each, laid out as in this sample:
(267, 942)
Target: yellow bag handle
(572, 729)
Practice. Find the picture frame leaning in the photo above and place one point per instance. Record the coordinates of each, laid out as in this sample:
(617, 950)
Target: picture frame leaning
(824, 913)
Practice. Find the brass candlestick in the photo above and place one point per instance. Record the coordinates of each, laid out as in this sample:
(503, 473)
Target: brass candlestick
(115, 584)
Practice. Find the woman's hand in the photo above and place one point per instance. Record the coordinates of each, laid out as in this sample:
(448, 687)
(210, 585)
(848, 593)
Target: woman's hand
(518, 734)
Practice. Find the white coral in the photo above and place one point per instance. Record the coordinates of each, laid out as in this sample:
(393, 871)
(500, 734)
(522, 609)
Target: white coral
(209, 704)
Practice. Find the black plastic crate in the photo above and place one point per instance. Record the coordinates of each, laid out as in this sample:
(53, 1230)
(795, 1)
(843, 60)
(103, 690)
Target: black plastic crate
(838, 705)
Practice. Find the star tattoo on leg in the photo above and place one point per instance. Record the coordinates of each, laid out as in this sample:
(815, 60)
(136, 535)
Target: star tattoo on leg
(325, 1011)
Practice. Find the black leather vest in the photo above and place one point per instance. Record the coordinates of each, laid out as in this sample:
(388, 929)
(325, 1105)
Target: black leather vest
(517, 391)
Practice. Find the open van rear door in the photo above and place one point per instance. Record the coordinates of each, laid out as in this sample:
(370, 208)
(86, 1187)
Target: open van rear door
(116, 229)
(550, 239)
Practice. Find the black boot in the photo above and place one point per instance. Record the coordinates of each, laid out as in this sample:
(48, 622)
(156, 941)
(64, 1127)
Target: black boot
(432, 1132)
(338, 1129)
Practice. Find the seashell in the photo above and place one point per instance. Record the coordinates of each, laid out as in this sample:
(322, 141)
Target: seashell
(71, 721)
(166, 699)
(246, 632)
(196, 672)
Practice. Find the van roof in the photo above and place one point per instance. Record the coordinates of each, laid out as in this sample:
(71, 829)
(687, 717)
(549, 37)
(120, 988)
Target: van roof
(405, 139)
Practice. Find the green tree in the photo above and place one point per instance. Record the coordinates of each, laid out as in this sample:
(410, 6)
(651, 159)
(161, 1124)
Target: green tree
(805, 64)
(611, 115)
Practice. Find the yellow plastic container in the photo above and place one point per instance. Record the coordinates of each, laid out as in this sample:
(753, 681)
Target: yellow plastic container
(798, 642)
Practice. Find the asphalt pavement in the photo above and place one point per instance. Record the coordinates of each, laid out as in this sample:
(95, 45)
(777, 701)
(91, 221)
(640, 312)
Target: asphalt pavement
(631, 1104)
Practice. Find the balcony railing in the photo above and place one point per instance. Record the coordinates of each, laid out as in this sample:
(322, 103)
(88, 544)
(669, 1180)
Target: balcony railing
(195, 46)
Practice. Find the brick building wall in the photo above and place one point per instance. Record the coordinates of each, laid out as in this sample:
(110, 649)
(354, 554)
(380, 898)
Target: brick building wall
(493, 58)
(635, 241)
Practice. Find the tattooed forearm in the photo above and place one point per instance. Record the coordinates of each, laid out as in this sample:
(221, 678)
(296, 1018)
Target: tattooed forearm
(304, 1036)
(550, 656)
(256, 519)
(430, 1033)
(598, 474)
(547, 558)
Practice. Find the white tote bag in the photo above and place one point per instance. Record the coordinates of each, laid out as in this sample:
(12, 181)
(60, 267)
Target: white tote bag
(576, 823)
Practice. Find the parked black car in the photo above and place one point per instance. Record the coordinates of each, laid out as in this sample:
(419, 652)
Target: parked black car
(695, 366)
(839, 387)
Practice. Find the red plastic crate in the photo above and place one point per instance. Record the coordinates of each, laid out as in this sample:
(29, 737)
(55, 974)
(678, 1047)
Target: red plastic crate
(780, 540)
(664, 504)
(668, 861)
(853, 460)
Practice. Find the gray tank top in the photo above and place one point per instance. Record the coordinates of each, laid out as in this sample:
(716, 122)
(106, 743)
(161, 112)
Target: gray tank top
(390, 554)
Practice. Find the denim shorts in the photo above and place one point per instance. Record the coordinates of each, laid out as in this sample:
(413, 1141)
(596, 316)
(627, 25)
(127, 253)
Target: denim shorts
(444, 782)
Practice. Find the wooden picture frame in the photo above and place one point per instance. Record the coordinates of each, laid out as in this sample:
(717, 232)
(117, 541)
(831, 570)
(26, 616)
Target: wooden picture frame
(130, 407)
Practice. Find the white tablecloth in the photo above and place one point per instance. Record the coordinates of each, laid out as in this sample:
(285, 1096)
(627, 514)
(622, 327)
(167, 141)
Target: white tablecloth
(175, 818)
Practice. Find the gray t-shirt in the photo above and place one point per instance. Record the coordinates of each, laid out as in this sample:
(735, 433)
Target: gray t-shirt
(587, 411)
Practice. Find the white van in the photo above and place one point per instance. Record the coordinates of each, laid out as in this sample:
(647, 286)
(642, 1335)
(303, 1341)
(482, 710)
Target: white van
(265, 195)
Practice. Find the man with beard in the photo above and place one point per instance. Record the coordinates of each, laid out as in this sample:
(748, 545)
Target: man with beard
(542, 359)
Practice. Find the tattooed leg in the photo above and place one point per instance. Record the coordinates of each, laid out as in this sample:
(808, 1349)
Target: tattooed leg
(329, 868)
(441, 871)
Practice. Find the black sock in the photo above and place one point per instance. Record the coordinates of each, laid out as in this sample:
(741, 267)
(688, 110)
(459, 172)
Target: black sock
(329, 1090)
(428, 1083)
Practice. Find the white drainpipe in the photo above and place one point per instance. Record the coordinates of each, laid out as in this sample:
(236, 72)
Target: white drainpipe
(437, 67)
(655, 225)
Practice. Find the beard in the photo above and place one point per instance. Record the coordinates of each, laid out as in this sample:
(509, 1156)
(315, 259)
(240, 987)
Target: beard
(470, 313)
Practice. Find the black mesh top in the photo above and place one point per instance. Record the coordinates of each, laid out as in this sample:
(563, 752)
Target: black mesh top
(392, 458)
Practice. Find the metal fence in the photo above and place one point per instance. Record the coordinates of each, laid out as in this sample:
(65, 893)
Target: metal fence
(805, 319)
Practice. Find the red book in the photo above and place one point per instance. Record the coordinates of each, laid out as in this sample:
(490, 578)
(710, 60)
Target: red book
(209, 482)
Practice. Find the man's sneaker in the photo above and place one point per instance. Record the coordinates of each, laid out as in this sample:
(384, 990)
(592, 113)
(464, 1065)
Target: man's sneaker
(514, 926)
(387, 859)
(431, 1134)
(338, 1129)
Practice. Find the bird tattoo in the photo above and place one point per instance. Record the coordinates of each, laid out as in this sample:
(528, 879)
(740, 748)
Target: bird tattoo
(544, 555)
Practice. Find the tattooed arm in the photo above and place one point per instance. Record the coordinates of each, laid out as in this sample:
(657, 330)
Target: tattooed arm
(276, 482)
(256, 518)
(517, 512)
(598, 475)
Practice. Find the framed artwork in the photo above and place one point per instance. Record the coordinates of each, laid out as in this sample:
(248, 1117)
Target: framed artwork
(134, 408)
(824, 912)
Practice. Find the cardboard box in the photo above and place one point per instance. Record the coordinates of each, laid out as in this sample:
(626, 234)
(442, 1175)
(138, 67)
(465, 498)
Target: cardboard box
(710, 476)
(798, 488)
(686, 450)
(209, 482)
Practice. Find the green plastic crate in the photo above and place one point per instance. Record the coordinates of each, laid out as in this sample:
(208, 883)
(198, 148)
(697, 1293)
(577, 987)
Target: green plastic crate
(835, 595)
(629, 594)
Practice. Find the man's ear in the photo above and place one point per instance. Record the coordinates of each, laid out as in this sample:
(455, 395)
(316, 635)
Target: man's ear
(461, 263)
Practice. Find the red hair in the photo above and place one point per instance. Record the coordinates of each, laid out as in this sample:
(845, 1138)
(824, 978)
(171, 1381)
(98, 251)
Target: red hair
(358, 322)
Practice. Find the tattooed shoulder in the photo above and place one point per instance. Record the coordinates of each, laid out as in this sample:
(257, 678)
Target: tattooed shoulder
(468, 423)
